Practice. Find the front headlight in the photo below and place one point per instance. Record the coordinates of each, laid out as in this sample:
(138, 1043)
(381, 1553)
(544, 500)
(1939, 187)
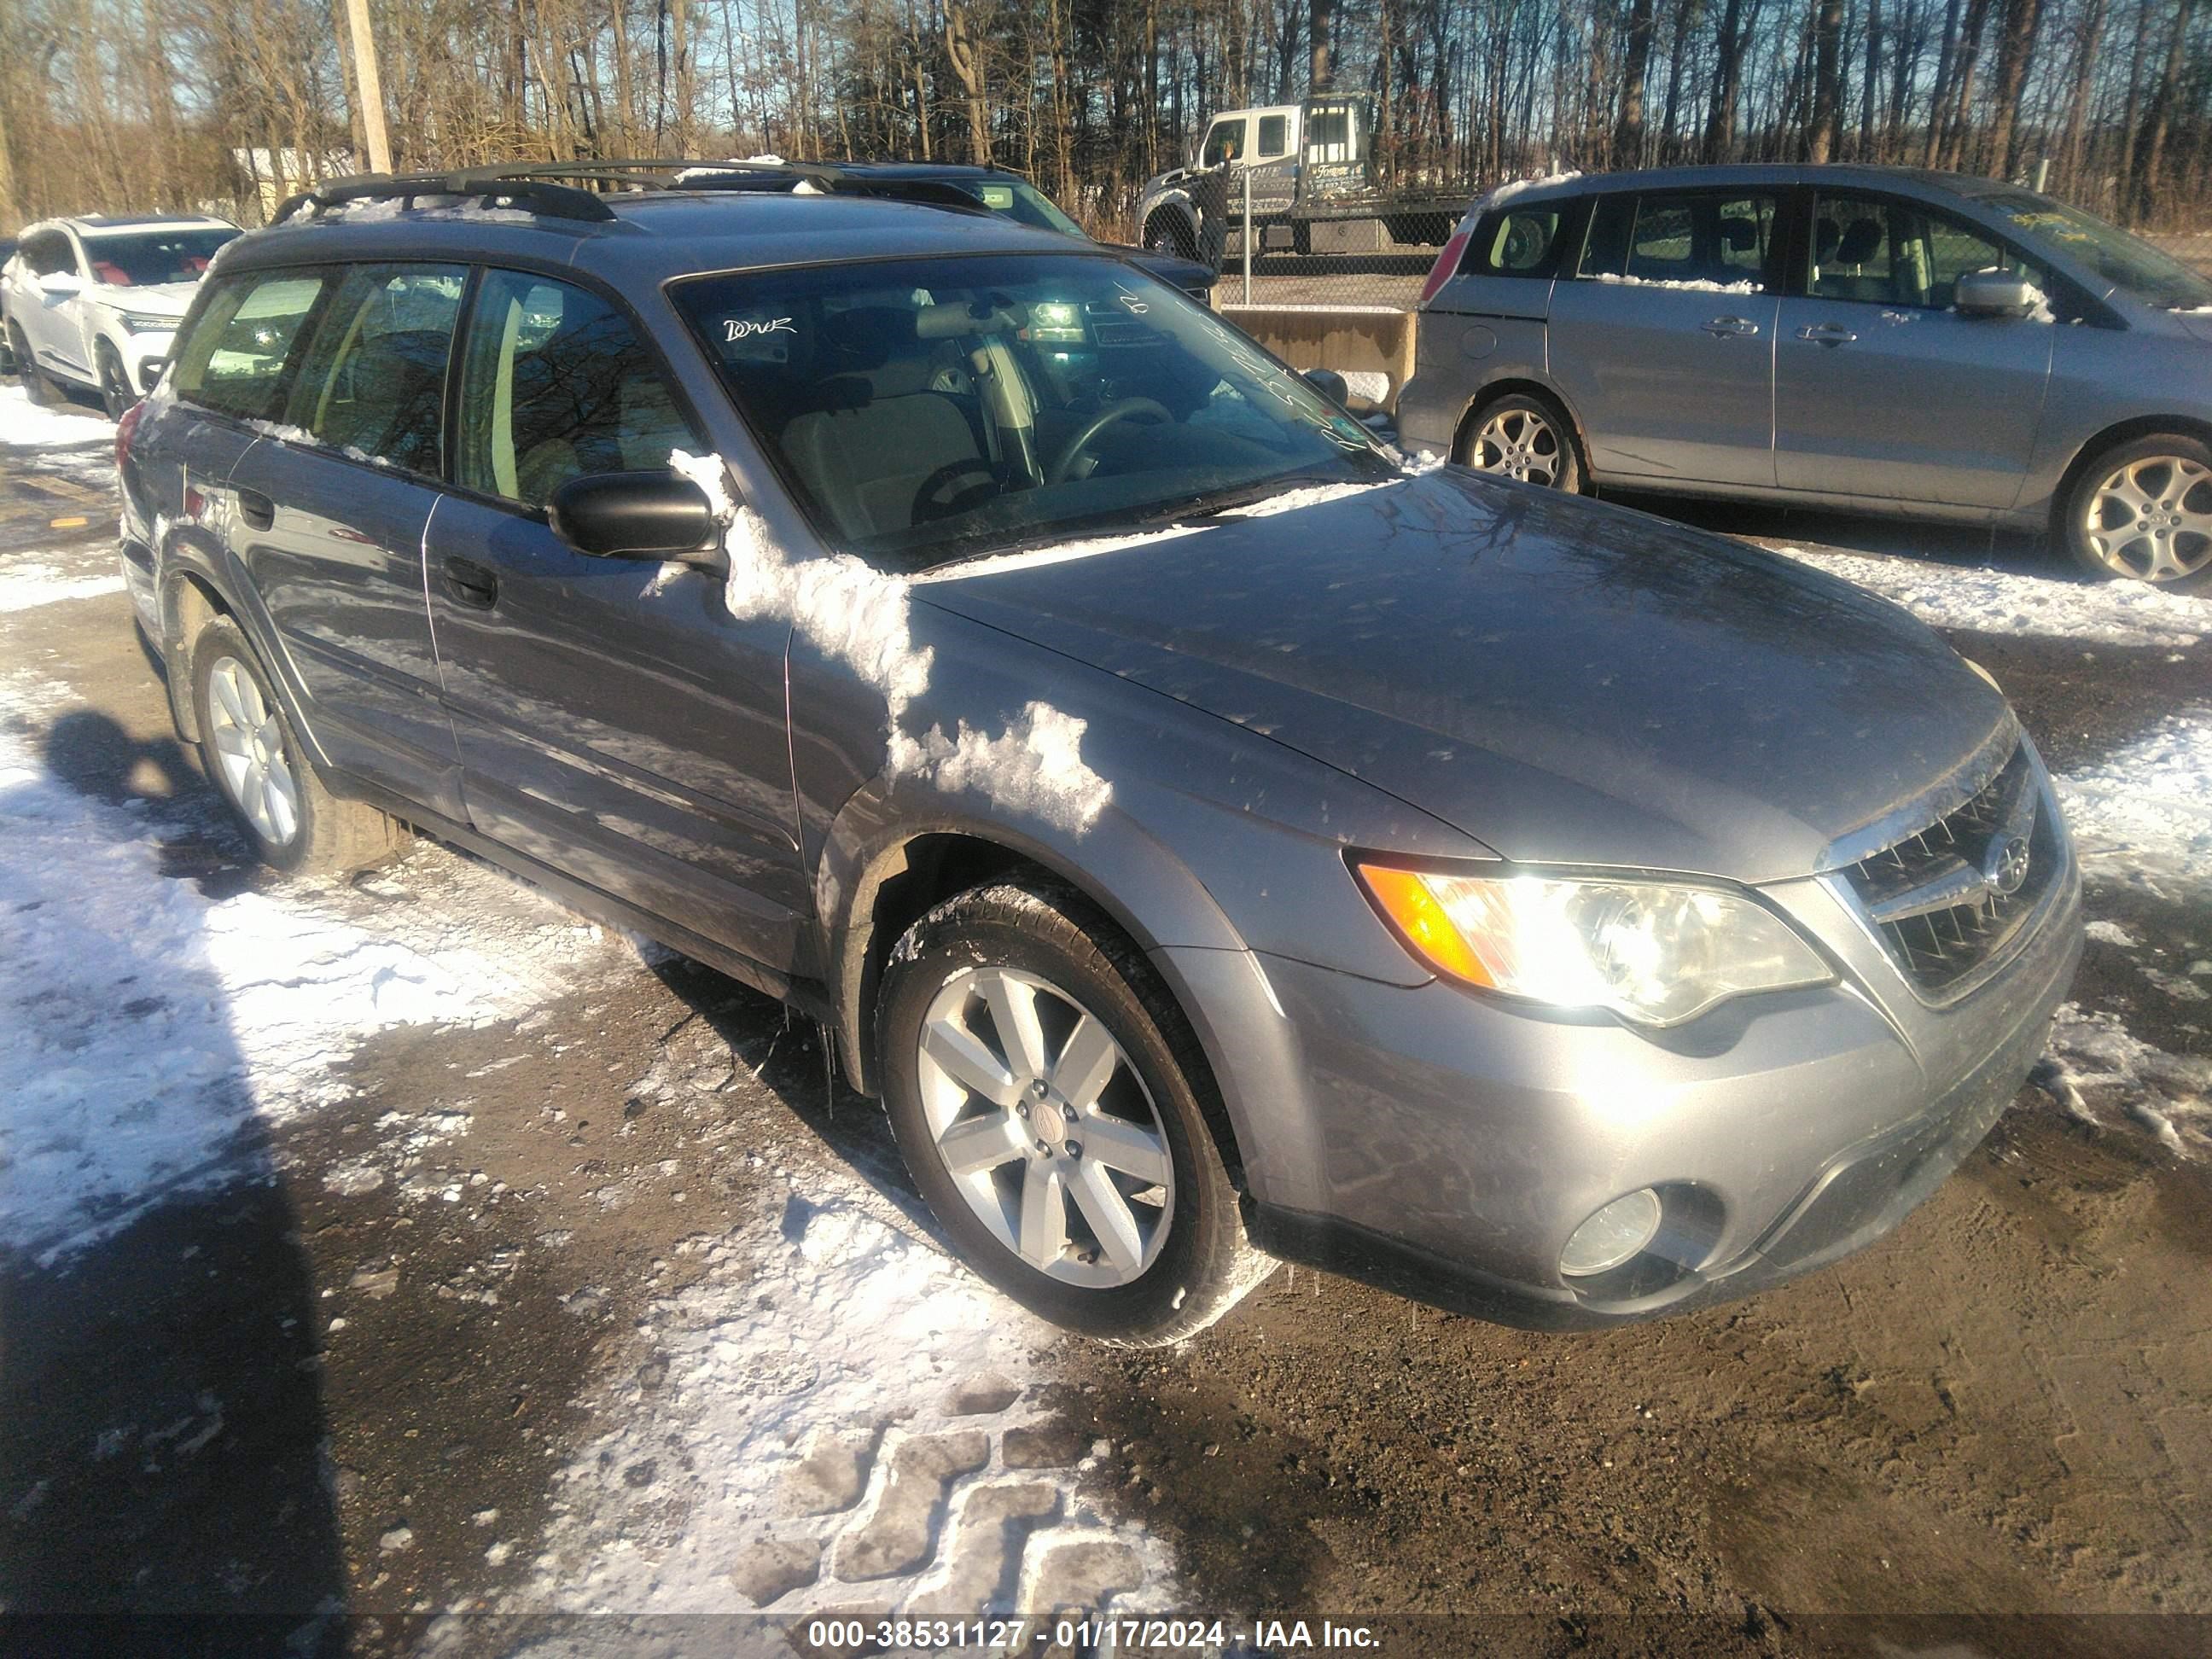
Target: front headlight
(1652, 952)
(138, 323)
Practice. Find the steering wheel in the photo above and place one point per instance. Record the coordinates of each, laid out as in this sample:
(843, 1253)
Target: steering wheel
(931, 502)
(1063, 463)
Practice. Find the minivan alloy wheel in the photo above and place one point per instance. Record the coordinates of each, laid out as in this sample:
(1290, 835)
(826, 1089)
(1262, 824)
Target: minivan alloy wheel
(1045, 1126)
(2151, 517)
(1521, 443)
(249, 746)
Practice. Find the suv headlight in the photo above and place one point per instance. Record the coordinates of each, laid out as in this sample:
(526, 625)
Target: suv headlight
(138, 322)
(1652, 952)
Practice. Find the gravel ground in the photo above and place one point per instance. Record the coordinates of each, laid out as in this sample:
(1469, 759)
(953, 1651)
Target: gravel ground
(593, 1295)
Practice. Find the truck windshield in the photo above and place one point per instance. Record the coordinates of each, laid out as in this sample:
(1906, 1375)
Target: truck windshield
(2127, 262)
(927, 409)
(145, 257)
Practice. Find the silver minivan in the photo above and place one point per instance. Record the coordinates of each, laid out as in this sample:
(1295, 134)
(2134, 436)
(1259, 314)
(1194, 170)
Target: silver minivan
(1863, 338)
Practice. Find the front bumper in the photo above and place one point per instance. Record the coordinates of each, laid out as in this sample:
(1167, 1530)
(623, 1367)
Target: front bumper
(1445, 1146)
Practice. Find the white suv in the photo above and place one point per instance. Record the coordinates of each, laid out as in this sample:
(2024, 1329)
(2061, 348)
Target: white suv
(96, 301)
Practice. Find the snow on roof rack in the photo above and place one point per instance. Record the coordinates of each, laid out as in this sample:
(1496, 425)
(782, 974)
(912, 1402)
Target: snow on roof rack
(553, 189)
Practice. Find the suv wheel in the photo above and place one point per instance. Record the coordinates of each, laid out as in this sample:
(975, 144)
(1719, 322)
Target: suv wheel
(37, 387)
(1524, 437)
(2143, 510)
(257, 761)
(1043, 1089)
(115, 393)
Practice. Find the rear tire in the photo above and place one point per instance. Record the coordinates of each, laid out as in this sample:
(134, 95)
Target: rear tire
(249, 750)
(1169, 1256)
(2141, 512)
(36, 387)
(1522, 435)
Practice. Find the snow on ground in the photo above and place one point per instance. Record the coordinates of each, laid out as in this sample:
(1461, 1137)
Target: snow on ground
(2143, 815)
(154, 1032)
(33, 582)
(24, 425)
(836, 1417)
(2004, 601)
(2095, 1062)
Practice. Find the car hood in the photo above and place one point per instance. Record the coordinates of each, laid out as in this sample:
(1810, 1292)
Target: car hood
(1170, 268)
(154, 300)
(1567, 682)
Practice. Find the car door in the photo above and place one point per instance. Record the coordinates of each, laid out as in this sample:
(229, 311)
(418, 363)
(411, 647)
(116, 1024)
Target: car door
(1661, 334)
(1881, 391)
(615, 723)
(49, 307)
(329, 510)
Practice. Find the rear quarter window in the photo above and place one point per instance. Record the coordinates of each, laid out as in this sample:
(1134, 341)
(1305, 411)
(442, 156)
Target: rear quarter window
(235, 358)
(1516, 242)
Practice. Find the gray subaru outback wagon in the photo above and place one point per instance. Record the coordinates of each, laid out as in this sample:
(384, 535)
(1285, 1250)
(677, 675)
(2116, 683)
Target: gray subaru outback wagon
(1213, 840)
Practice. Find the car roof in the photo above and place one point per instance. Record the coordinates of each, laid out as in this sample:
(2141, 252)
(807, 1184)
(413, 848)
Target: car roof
(653, 236)
(1756, 172)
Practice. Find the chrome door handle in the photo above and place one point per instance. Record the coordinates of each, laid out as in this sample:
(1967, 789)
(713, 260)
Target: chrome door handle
(1827, 334)
(1724, 326)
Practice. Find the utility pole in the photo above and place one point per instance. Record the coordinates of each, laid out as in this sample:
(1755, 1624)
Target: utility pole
(368, 87)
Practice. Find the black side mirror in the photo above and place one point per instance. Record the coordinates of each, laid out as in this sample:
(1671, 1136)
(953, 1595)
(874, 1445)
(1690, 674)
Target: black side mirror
(1330, 384)
(636, 515)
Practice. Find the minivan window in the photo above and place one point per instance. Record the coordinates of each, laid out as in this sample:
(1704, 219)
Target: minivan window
(1518, 242)
(554, 387)
(923, 409)
(372, 382)
(1882, 252)
(233, 362)
(1688, 239)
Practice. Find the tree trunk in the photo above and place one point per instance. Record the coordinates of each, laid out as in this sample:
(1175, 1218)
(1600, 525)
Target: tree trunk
(2016, 45)
(1628, 133)
(968, 65)
(1828, 95)
(1321, 21)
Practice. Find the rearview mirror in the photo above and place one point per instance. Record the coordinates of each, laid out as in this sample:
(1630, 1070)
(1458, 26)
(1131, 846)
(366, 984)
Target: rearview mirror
(635, 515)
(1995, 294)
(1330, 384)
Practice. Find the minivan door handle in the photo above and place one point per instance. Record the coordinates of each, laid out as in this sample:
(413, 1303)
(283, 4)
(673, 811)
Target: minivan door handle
(1827, 334)
(257, 510)
(471, 584)
(1725, 326)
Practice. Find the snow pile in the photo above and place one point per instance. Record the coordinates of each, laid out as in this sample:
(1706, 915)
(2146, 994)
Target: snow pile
(1506, 192)
(855, 614)
(150, 1030)
(2094, 1060)
(24, 425)
(1697, 284)
(821, 1338)
(2000, 602)
(2143, 814)
(34, 582)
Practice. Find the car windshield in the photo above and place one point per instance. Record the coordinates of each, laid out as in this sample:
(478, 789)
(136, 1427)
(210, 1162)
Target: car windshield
(2125, 261)
(1024, 204)
(928, 410)
(144, 258)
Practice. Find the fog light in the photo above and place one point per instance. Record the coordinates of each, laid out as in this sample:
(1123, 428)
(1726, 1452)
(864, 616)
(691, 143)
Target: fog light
(1614, 1235)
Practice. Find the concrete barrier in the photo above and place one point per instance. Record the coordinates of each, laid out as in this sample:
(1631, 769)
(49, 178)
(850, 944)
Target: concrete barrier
(1372, 346)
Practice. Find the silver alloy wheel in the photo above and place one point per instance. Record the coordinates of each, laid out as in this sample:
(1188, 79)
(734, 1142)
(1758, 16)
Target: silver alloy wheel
(1045, 1127)
(249, 747)
(2151, 519)
(1521, 444)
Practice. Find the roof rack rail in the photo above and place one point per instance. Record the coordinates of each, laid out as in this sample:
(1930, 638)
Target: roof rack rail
(551, 188)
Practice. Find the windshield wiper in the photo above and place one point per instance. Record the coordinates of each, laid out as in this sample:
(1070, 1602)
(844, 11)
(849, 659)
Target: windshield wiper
(1211, 503)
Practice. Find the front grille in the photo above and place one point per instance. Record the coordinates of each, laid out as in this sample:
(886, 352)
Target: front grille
(1937, 897)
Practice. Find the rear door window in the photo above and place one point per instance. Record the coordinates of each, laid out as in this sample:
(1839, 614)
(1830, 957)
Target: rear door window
(372, 384)
(554, 386)
(1687, 239)
(1274, 136)
(234, 360)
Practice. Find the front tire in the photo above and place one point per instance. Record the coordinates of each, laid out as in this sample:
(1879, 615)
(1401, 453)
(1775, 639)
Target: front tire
(1168, 235)
(250, 749)
(1526, 437)
(2142, 511)
(115, 393)
(1044, 1090)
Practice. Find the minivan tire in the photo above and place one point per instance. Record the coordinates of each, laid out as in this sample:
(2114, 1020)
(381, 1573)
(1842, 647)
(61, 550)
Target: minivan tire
(2179, 494)
(1549, 433)
(302, 829)
(1045, 934)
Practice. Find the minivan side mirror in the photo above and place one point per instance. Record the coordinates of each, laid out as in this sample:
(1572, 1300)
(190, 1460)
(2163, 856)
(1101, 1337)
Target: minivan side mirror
(1993, 294)
(636, 515)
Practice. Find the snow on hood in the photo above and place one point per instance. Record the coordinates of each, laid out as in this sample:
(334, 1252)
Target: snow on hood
(156, 299)
(859, 616)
